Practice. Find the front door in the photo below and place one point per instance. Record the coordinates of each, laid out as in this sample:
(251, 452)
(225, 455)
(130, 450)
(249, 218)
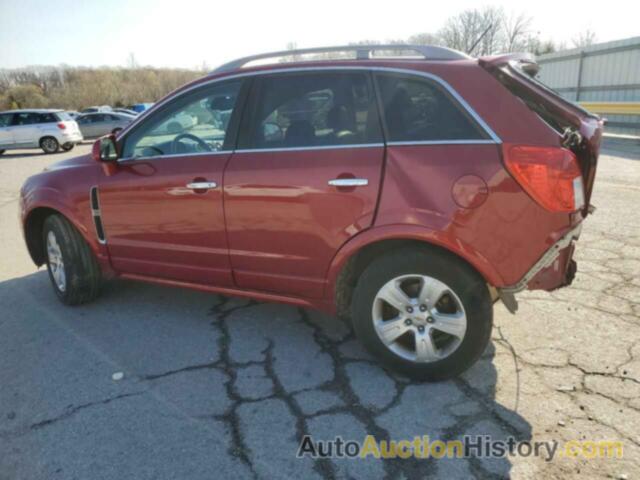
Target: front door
(25, 128)
(6, 136)
(305, 178)
(162, 209)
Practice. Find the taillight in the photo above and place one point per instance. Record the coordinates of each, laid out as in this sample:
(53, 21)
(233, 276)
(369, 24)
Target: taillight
(551, 175)
(62, 126)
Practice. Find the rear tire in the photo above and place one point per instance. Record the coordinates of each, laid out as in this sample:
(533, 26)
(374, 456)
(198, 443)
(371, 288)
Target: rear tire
(49, 145)
(73, 269)
(2, 151)
(437, 291)
(67, 147)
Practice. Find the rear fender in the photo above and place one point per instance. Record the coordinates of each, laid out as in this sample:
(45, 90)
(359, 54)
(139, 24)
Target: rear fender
(408, 232)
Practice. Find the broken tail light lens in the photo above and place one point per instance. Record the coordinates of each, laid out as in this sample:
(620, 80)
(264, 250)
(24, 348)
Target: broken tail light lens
(550, 175)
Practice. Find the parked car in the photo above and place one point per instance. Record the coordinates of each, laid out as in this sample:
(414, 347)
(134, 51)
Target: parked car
(47, 129)
(126, 111)
(95, 125)
(140, 107)
(73, 114)
(406, 195)
(103, 108)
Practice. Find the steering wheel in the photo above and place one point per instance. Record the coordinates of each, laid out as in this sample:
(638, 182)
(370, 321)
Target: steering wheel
(201, 143)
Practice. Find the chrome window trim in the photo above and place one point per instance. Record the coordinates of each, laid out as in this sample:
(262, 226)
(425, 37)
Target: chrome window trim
(443, 142)
(173, 155)
(405, 71)
(316, 147)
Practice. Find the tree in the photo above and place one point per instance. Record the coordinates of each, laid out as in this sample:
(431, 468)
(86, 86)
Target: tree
(475, 31)
(24, 96)
(424, 39)
(584, 39)
(517, 31)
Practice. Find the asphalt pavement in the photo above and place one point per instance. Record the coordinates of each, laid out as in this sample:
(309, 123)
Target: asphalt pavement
(215, 387)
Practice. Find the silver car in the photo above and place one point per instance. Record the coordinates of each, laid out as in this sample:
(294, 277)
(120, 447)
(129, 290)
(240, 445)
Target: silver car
(48, 129)
(94, 125)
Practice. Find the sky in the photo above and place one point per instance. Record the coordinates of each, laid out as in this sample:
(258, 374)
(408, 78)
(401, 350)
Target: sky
(194, 33)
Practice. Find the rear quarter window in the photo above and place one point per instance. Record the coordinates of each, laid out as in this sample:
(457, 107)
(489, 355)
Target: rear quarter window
(418, 109)
(64, 117)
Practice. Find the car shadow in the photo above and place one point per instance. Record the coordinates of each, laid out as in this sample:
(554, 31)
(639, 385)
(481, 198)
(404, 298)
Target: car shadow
(269, 373)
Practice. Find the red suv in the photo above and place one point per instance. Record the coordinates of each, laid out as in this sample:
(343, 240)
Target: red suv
(407, 194)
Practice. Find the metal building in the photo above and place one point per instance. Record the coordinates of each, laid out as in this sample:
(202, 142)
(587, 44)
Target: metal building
(604, 78)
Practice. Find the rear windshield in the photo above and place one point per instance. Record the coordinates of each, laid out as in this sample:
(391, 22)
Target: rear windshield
(64, 117)
(526, 88)
(528, 96)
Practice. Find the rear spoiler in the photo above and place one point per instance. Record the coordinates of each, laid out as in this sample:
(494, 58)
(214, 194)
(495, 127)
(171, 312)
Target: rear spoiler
(526, 62)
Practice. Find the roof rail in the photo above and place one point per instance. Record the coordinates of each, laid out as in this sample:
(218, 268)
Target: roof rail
(363, 52)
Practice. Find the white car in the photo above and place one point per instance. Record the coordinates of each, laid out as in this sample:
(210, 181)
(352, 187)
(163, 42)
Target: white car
(45, 128)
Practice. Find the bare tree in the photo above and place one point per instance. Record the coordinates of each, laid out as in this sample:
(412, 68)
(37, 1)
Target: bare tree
(131, 61)
(462, 31)
(584, 39)
(517, 31)
(424, 39)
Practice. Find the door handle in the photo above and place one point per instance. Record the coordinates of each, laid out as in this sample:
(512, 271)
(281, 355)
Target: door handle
(201, 185)
(349, 182)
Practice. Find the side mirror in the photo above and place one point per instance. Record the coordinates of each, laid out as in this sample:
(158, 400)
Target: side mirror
(104, 149)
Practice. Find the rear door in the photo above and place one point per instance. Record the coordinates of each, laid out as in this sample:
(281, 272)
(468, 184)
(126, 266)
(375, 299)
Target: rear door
(305, 178)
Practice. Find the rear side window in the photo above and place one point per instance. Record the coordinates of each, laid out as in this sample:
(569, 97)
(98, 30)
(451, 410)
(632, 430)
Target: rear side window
(418, 109)
(312, 110)
(25, 118)
(47, 118)
(5, 119)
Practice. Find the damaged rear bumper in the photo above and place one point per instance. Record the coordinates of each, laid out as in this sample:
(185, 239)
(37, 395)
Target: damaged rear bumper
(555, 269)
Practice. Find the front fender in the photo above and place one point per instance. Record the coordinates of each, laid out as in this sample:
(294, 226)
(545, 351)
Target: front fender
(409, 232)
(37, 202)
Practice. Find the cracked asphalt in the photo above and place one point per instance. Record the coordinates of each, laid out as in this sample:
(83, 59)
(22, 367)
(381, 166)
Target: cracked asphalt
(219, 387)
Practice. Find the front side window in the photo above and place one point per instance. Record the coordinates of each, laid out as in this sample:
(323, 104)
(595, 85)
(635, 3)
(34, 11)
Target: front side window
(418, 109)
(194, 123)
(5, 119)
(312, 109)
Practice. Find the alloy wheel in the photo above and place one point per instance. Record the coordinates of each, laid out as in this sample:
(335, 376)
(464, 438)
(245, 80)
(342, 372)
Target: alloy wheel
(56, 263)
(49, 145)
(419, 318)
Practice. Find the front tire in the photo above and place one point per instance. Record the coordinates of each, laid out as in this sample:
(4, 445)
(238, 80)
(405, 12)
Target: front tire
(49, 145)
(73, 269)
(422, 312)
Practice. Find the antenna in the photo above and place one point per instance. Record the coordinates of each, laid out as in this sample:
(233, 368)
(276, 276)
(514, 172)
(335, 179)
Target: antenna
(475, 44)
